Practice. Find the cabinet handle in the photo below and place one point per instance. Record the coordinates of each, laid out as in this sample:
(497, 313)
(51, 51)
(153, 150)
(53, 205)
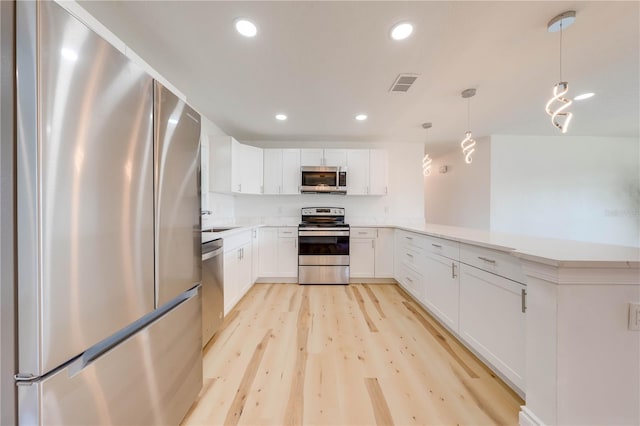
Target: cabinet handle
(409, 238)
(487, 259)
(372, 244)
(386, 190)
(295, 243)
(410, 255)
(436, 245)
(453, 270)
(279, 190)
(362, 232)
(409, 279)
(523, 297)
(239, 187)
(367, 189)
(377, 234)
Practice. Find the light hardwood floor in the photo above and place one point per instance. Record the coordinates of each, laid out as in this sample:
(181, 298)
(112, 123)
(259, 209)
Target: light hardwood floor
(343, 355)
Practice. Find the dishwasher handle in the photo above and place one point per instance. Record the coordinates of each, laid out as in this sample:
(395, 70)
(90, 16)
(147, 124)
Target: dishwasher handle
(211, 254)
(212, 249)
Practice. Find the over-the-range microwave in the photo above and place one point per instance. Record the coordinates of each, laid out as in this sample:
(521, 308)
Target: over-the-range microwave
(323, 180)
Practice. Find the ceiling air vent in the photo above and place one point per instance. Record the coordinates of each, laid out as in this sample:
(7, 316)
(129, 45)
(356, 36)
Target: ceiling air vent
(403, 82)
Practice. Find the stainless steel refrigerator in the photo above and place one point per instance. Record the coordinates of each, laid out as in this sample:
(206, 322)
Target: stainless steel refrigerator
(108, 232)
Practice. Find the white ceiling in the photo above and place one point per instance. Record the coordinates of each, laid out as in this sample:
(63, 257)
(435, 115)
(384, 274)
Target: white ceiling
(321, 63)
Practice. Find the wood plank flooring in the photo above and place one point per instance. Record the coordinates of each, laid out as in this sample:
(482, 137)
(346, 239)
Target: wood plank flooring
(343, 355)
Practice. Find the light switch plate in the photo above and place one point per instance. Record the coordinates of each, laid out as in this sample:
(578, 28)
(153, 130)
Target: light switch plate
(634, 316)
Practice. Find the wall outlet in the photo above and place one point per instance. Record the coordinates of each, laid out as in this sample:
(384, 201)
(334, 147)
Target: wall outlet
(634, 316)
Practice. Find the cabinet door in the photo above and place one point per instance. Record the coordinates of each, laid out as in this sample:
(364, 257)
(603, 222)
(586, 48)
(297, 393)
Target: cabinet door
(335, 157)
(358, 171)
(244, 270)
(378, 172)
(492, 321)
(311, 157)
(231, 284)
(287, 257)
(238, 165)
(291, 179)
(220, 164)
(204, 171)
(251, 166)
(255, 259)
(384, 253)
(361, 258)
(442, 289)
(268, 252)
(272, 171)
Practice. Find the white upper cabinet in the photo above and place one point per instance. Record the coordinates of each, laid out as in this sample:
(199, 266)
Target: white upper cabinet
(234, 167)
(378, 172)
(358, 172)
(323, 157)
(281, 171)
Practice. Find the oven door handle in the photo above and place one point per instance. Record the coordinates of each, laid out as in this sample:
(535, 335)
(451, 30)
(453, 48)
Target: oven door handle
(323, 233)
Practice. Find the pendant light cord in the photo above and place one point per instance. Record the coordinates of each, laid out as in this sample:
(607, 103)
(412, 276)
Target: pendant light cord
(560, 50)
(468, 114)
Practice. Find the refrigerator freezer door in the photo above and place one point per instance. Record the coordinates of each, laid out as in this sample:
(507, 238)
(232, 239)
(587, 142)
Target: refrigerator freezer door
(152, 378)
(85, 185)
(177, 195)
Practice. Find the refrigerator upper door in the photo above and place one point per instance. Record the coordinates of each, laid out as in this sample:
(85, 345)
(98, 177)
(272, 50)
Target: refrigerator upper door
(177, 195)
(85, 185)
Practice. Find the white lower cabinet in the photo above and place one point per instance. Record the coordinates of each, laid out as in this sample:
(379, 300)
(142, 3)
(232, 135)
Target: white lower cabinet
(237, 268)
(371, 252)
(255, 257)
(492, 320)
(442, 288)
(278, 252)
(362, 257)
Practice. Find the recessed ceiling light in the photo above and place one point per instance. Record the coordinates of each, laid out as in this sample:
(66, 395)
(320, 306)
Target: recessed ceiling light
(246, 28)
(401, 31)
(281, 117)
(361, 117)
(584, 96)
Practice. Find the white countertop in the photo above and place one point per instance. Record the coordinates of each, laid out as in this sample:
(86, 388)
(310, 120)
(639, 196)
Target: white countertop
(543, 250)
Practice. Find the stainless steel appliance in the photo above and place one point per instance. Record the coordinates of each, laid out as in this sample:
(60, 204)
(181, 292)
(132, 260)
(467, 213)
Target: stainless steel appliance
(323, 246)
(212, 288)
(108, 224)
(323, 179)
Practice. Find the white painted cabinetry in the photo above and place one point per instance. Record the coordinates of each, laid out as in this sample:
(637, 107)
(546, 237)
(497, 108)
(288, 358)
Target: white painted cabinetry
(358, 172)
(367, 172)
(278, 252)
(378, 172)
(323, 157)
(492, 320)
(255, 255)
(237, 268)
(442, 282)
(234, 167)
(408, 270)
(371, 252)
(282, 171)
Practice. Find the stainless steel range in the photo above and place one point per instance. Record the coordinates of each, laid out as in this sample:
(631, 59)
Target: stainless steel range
(323, 246)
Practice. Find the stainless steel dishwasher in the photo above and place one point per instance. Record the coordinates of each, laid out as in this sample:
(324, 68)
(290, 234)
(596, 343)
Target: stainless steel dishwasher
(212, 288)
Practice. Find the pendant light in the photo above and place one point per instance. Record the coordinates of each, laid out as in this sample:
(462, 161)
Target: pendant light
(426, 160)
(468, 143)
(560, 117)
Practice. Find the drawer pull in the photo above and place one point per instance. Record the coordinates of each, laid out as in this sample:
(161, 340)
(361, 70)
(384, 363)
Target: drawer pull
(487, 259)
(523, 297)
(410, 255)
(362, 232)
(409, 238)
(453, 270)
(409, 279)
(436, 245)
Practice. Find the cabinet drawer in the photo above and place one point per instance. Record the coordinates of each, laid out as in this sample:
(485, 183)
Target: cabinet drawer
(411, 280)
(446, 248)
(288, 232)
(364, 233)
(410, 239)
(411, 258)
(494, 261)
(234, 241)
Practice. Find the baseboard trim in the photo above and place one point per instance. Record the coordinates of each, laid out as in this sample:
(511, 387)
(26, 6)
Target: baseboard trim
(527, 418)
(372, 280)
(275, 280)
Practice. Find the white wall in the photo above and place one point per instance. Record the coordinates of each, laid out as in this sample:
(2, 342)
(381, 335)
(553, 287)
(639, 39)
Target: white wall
(404, 201)
(569, 187)
(460, 197)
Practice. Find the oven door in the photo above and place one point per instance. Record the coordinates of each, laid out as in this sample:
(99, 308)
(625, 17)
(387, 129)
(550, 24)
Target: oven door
(328, 247)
